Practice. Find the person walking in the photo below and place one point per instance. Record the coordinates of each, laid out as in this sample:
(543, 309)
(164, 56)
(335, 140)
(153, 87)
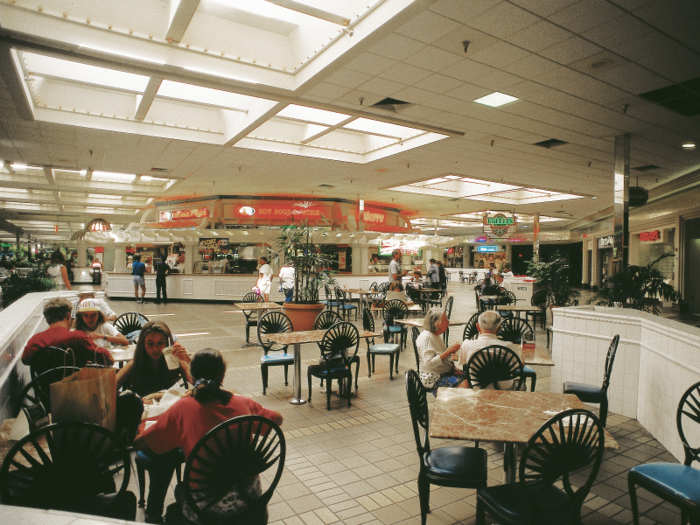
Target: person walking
(395, 271)
(286, 277)
(265, 278)
(137, 270)
(58, 272)
(433, 274)
(162, 269)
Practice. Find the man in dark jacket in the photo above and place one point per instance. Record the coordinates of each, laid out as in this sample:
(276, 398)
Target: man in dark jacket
(162, 269)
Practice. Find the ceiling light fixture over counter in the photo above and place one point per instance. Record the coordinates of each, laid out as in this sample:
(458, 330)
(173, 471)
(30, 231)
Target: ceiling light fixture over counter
(495, 100)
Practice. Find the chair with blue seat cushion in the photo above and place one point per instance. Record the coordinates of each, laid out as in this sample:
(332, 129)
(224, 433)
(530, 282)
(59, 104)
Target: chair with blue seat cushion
(338, 349)
(461, 467)
(677, 484)
(324, 321)
(275, 355)
(513, 329)
(344, 305)
(329, 301)
(373, 349)
(395, 309)
(594, 394)
(568, 447)
(491, 366)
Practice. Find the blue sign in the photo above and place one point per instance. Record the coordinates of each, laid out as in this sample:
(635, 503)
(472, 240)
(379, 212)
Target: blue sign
(487, 249)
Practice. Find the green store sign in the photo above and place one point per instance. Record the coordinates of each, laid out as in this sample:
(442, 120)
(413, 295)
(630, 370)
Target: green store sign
(500, 220)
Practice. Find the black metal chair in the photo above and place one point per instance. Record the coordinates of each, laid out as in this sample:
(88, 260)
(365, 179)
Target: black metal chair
(396, 309)
(594, 394)
(338, 349)
(326, 319)
(275, 355)
(344, 306)
(70, 466)
(568, 447)
(225, 462)
(35, 397)
(514, 330)
(473, 277)
(48, 358)
(383, 287)
(436, 298)
(448, 312)
(470, 330)
(493, 365)
(477, 295)
(373, 349)
(251, 316)
(329, 301)
(541, 300)
(129, 325)
(505, 297)
(463, 467)
(677, 484)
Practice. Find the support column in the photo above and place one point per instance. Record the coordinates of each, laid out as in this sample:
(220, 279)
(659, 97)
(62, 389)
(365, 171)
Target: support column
(621, 203)
(119, 257)
(536, 237)
(584, 266)
(189, 257)
(595, 270)
(360, 259)
(18, 251)
(82, 255)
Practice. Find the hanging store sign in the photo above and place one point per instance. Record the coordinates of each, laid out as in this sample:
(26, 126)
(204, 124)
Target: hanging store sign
(606, 242)
(286, 212)
(499, 226)
(406, 247)
(650, 236)
(487, 249)
(216, 246)
(179, 215)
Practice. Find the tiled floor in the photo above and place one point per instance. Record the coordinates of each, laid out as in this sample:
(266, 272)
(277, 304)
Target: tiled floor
(359, 464)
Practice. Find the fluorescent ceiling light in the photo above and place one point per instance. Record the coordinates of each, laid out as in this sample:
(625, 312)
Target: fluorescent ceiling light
(202, 95)
(106, 176)
(148, 178)
(77, 72)
(688, 145)
(219, 74)
(495, 100)
(18, 166)
(316, 116)
(382, 128)
(122, 54)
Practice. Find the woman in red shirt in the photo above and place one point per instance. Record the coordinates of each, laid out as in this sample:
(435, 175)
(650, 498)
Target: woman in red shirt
(188, 420)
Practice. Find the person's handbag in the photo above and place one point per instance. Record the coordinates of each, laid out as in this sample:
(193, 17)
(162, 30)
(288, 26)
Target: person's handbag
(89, 395)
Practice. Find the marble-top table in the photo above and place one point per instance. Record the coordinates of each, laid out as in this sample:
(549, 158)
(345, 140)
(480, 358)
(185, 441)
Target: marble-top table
(297, 339)
(500, 416)
(418, 323)
(364, 294)
(538, 356)
(517, 309)
(259, 307)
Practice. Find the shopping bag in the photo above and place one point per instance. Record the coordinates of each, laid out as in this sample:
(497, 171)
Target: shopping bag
(89, 395)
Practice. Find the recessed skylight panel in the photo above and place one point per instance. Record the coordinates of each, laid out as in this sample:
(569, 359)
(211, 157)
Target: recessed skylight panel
(202, 95)
(106, 176)
(76, 72)
(495, 100)
(313, 115)
(383, 128)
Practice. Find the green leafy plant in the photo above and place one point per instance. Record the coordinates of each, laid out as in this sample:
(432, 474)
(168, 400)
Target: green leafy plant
(553, 276)
(638, 286)
(19, 284)
(311, 261)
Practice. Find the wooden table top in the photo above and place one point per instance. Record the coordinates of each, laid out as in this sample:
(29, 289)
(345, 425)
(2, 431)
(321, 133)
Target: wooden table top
(362, 292)
(419, 322)
(518, 308)
(497, 415)
(258, 306)
(310, 336)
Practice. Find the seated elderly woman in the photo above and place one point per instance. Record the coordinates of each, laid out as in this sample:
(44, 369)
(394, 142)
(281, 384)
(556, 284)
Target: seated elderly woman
(436, 366)
(396, 291)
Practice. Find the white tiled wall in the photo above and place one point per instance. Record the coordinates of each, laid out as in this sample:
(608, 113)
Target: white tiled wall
(656, 362)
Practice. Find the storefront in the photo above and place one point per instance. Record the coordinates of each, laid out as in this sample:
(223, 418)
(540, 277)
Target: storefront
(605, 258)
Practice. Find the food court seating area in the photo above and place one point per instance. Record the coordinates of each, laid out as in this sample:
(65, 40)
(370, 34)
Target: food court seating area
(357, 464)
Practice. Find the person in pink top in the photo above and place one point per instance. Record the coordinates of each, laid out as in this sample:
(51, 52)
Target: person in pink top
(187, 421)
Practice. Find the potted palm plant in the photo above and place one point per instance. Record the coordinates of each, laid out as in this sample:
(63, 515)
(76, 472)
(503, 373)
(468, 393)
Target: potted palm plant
(638, 287)
(553, 276)
(311, 263)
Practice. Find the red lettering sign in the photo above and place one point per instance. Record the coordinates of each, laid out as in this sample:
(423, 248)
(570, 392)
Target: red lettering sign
(650, 236)
(281, 212)
(178, 215)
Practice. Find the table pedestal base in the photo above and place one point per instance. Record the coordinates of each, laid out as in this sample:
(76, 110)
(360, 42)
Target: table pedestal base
(297, 399)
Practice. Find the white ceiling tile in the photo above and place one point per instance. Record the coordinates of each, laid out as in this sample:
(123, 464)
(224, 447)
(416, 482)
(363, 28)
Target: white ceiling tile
(497, 81)
(405, 74)
(462, 10)
(539, 35)
(500, 55)
(531, 67)
(370, 64)
(679, 18)
(432, 58)
(348, 78)
(428, 27)
(381, 86)
(453, 42)
(329, 91)
(543, 7)
(444, 103)
(468, 92)
(620, 30)
(397, 47)
(413, 94)
(467, 70)
(633, 78)
(586, 14)
(438, 83)
(416, 111)
(503, 20)
(571, 50)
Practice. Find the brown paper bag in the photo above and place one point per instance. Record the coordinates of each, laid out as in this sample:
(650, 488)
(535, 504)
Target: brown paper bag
(89, 395)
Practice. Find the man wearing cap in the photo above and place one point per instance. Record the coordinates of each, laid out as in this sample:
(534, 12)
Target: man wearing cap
(91, 321)
(86, 292)
(57, 316)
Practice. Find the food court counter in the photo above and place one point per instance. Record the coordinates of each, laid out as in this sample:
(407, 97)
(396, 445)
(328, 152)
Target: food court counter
(656, 361)
(218, 287)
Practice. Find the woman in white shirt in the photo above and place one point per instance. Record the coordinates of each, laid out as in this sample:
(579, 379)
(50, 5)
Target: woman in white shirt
(436, 366)
(265, 278)
(90, 319)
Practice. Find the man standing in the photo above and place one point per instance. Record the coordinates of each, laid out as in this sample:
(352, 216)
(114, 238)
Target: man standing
(265, 278)
(395, 271)
(86, 292)
(286, 277)
(162, 269)
(57, 315)
(137, 270)
(433, 275)
(442, 275)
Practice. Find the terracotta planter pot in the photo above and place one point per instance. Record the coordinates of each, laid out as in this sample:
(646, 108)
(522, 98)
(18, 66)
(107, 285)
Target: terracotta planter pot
(303, 316)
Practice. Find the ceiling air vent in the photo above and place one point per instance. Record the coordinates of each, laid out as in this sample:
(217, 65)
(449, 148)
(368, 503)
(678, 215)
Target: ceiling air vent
(160, 170)
(648, 167)
(683, 98)
(391, 104)
(326, 186)
(551, 143)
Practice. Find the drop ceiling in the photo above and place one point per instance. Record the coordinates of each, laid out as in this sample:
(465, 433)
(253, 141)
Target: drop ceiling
(195, 98)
